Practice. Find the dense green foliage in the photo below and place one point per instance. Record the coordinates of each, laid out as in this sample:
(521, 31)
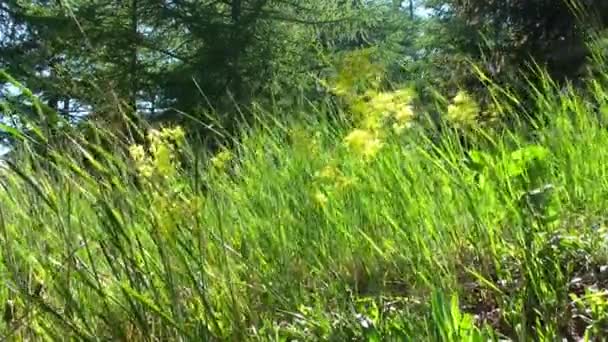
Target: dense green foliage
(168, 56)
(302, 170)
(164, 59)
(316, 230)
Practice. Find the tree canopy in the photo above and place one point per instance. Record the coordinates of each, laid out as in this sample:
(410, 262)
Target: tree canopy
(161, 59)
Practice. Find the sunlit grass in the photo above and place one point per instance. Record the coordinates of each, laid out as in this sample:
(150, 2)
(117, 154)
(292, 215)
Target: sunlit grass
(309, 231)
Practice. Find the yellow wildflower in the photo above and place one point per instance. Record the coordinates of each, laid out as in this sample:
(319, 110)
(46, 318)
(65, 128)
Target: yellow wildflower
(328, 173)
(461, 97)
(142, 161)
(405, 114)
(175, 134)
(358, 138)
(137, 152)
(320, 198)
(145, 170)
(372, 148)
(154, 135)
(382, 100)
(220, 160)
(363, 142)
(343, 182)
(161, 160)
(401, 127)
(163, 157)
(464, 109)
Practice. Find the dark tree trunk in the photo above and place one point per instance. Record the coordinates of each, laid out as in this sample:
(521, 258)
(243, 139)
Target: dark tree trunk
(235, 49)
(133, 122)
(412, 9)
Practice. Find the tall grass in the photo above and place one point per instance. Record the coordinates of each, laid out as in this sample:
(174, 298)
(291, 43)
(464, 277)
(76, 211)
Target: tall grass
(290, 235)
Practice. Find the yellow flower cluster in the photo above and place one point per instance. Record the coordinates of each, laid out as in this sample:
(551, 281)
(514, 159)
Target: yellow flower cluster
(356, 71)
(330, 181)
(377, 108)
(320, 198)
(162, 150)
(221, 159)
(158, 162)
(363, 142)
(142, 161)
(375, 111)
(332, 175)
(463, 111)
